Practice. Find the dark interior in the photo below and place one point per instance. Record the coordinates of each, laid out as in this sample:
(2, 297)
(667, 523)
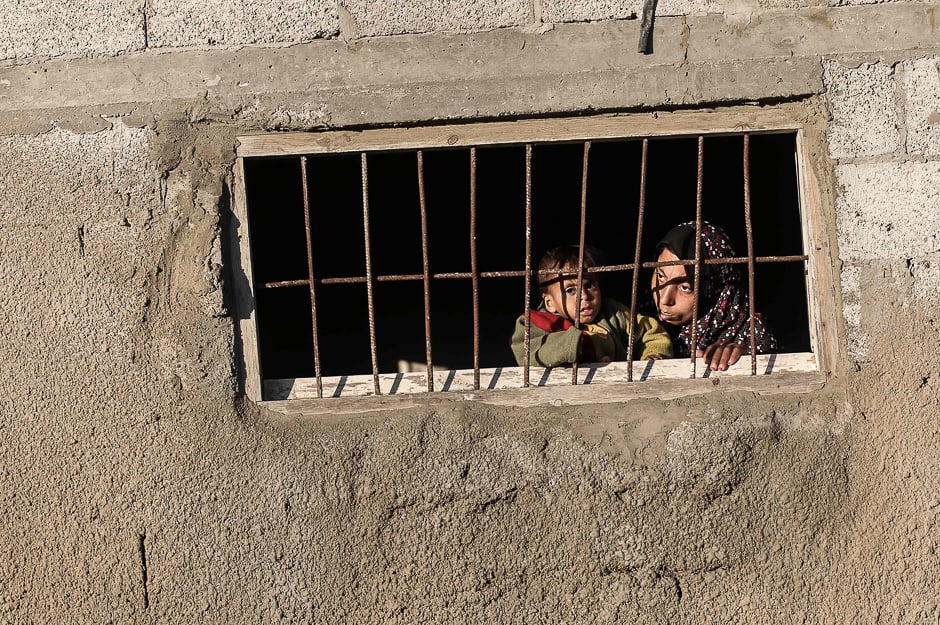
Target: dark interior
(275, 207)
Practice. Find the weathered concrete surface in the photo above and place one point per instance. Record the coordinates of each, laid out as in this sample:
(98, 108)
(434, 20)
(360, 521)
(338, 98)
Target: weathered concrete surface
(886, 209)
(895, 467)
(123, 440)
(414, 78)
(573, 11)
(887, 218)
(911, 229)
(864, 110)
(44, 29)
(876, 32)
(181, 23)
(922, 107)
(370, 18)
(37, 30)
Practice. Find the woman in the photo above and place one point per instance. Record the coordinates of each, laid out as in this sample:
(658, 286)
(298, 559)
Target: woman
(723, 333)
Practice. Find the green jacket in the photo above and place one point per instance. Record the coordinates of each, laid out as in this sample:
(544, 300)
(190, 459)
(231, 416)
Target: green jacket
(553, 340)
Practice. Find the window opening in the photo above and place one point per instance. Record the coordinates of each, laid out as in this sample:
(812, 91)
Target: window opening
(432, 219)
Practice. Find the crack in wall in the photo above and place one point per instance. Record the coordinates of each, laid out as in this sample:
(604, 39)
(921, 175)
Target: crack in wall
(508, 496)
(684, 36)
(670, 576)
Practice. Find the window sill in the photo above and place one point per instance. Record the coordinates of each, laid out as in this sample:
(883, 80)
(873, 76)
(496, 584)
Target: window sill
(597, 383)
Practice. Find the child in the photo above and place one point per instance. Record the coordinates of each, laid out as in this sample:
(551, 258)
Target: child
(723, 333)
(603, 335)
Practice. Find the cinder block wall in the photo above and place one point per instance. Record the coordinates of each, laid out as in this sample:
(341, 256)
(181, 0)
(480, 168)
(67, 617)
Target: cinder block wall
(138, 486)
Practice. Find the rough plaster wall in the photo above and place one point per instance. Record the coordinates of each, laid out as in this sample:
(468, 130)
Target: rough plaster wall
(369, 18)
(574, 11)
(181, 23)
(922, 106)
(122, 447)
(856, 94)
(39, 28)
(888, 214)
(889, 196)
(97, 275)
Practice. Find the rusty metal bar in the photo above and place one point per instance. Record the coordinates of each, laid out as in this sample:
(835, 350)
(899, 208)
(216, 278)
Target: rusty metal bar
(283, 283)
(528, 263)
(582, 228)
(425, 273)
(750, 249)
(416, 277)
(698, 249)
(725, 261)
(369, 279)
(310, 281)
(636, 260)
(474, 272)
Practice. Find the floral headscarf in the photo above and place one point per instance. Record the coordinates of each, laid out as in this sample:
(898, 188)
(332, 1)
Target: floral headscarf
(723, 299)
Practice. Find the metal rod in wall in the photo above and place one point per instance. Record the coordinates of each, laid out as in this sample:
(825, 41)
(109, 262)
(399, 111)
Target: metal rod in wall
(737, 260)
(283, 283)
(581, 229)
(474, 270)
(528, 263)
(310, 280)
(636, 259)
(417, 277)
(698, 250)
(750, 250)
(369, 279)
(425, 273)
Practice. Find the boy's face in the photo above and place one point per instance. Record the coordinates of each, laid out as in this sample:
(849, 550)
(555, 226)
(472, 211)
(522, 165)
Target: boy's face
(672, 291)
(561, 298)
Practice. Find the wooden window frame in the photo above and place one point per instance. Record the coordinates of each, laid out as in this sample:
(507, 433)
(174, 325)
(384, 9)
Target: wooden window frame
(798, 372)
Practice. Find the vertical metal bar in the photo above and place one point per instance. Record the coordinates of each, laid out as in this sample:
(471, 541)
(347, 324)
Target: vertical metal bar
(698, 249)
(636, 259)
(425, 270)
(313, 295)
(528, 262)
(577, 310)
(475, 276)
(750, 249)
(369, 277)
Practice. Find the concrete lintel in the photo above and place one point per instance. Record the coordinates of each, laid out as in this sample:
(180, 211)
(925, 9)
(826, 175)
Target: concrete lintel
(864, 30)
(456, 100)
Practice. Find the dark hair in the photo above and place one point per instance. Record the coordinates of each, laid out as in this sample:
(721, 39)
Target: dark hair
(563, 256)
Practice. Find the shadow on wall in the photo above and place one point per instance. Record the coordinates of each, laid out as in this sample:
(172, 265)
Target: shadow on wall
(235, 281)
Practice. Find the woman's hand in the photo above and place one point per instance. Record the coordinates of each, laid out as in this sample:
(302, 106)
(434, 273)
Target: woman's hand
(719, 356)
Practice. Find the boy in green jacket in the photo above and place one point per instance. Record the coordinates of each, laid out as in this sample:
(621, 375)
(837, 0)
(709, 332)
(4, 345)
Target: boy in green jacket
(564, 330)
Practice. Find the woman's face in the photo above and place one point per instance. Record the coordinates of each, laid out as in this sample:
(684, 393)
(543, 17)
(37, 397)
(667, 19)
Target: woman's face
(672, 291)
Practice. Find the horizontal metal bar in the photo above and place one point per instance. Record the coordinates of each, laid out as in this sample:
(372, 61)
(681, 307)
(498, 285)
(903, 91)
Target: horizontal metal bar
(277, 285)
(737, 260)
(417, 277)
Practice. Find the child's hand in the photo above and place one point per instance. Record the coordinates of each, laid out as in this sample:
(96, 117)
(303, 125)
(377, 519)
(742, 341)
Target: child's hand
(719, 356)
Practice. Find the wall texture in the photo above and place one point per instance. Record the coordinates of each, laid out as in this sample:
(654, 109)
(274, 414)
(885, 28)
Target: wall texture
(139, 486)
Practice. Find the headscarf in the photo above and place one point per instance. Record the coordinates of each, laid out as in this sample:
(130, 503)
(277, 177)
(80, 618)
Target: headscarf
(723, 298)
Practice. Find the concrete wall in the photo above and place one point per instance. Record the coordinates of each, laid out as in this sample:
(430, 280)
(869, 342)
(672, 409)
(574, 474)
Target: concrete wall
(124, 438)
